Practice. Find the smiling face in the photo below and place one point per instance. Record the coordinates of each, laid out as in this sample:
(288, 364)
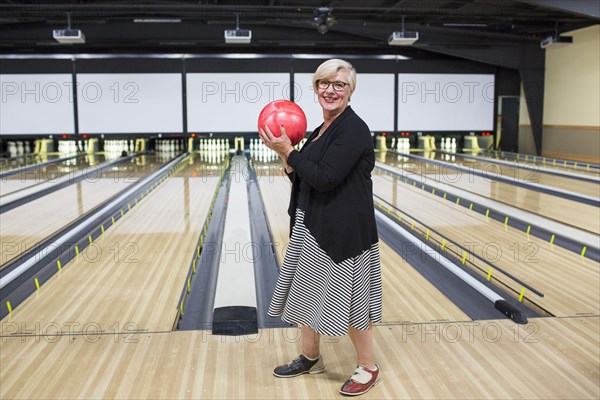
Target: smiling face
(331, 100)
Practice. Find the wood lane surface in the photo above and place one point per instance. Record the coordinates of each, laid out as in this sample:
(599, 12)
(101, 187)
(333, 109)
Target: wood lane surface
(407, 295)
(549, 358)
(569, 212)
(581, 168)
(23, 227)
(52, 173)
(524, 175)
(134, 275)
(570, 283)
(7, 164)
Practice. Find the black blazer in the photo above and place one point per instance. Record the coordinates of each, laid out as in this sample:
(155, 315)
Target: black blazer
(338, 208)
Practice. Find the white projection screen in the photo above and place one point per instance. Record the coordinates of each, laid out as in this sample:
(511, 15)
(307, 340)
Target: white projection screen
(373, 100)
(231, 102)
(130, 103)
(36, 104)
(445, 102)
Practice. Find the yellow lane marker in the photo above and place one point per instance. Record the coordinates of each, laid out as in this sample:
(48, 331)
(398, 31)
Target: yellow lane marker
(505, 221)
(102, 229)
(583, 251)
(113, 220)
(59, 266)
(464, 258)
(487, 213)
(443, 244)
(427, 235)
(444, 196)
(528, 229)
(552, 240)
(77, 250)
(489, 277)
(9, 307)
(412, 227)
(471, 207)
(90, 238)
(522, 294)
(37, 283)
(457, 200)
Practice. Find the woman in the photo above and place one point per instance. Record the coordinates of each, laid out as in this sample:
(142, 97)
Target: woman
(330, 280)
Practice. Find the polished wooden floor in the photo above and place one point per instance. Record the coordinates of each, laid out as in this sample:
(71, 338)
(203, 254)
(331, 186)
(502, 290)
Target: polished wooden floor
(569, 212)
(104, 329)
(570, 283)
(550, 358)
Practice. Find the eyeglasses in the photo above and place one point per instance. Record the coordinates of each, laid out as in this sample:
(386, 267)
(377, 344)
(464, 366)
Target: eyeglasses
(337, 86)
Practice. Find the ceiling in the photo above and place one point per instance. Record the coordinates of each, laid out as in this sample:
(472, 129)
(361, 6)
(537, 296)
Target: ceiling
(286, 26)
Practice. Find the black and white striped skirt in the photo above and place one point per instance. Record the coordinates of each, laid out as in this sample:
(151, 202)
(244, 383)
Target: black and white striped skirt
(313, 290)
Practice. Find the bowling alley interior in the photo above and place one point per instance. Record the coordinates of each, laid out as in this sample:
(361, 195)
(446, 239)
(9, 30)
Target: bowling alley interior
(144, 222)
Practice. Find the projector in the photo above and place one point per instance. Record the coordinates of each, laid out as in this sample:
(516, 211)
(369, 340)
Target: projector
(556, 41)
(68, 36)
(238, 36)
(403, 38)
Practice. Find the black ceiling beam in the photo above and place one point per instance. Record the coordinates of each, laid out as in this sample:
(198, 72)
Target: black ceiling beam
(586, 8)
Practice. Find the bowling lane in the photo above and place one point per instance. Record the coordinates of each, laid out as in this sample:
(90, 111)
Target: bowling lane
(407, 295)
(50, 173)
(548, 163)
(518, 175)
(570, 283)
(132, 278)
(569, 212)
(23, 227)
(25, 160)
(275, 191)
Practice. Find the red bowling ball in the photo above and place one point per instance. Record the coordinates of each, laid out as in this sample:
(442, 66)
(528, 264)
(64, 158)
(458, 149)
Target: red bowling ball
(286, 113)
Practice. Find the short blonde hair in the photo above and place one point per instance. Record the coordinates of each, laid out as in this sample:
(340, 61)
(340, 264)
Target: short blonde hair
(331, 67)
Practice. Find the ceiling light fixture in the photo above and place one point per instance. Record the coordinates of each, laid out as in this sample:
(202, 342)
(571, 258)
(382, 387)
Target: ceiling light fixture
(68, 35)
(157, 20)
(556, 40)
(465, 24)
(323, 20)
(237, 35)
(403, 38)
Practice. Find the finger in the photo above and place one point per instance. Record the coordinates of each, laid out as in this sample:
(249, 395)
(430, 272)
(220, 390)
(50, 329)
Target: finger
(284, 134)
(268, 132)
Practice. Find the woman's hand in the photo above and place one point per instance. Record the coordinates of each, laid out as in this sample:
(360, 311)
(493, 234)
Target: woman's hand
(281, 145)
